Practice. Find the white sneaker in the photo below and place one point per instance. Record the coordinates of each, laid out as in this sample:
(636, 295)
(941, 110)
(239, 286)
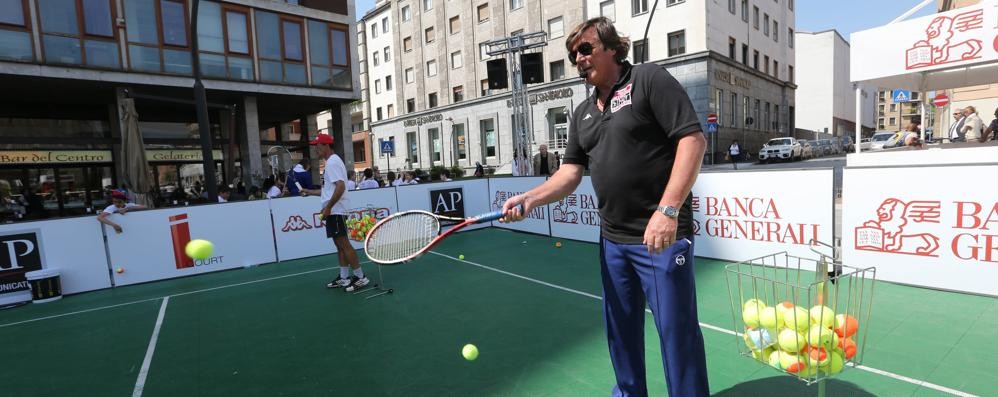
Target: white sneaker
(339, 282)
(357, 284)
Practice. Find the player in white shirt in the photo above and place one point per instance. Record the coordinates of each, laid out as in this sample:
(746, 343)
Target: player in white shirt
(333, 212)
(118, 206)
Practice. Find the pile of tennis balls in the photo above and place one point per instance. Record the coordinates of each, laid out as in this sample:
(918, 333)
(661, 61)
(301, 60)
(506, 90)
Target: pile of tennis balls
(797, 340)
(359, 227)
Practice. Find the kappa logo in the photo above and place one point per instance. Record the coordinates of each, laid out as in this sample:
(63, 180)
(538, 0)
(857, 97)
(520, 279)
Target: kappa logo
(947, 40)
(621, 98)
(295, 223)
(588, 116)
(891, 231)
(680, 260)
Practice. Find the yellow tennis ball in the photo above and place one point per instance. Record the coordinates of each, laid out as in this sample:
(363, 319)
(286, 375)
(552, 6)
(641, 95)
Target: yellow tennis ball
(791, 341)
(750, 315)
(822, 315)
(820, 336)
(470, 352)
(835, 364)
(461, 257)
(199, 249)
(797, 319)
(771, 317)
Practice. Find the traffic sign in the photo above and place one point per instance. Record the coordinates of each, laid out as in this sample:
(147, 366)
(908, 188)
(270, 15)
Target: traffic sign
(940, 100)
(388, 147)
(711, 128)
(711, 118)
(901, 96)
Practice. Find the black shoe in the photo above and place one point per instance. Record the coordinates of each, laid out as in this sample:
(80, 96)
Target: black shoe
(357, 284)
(340, 282)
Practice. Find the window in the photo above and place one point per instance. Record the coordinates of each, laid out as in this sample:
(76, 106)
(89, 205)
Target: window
(776, 68)
(487, 129)
(639, 6)
(733, 110)
(412, 147)
(391, 110)
(894, 107)
(517, 32)
(458, 93)
(455, 60)
(429, 35)
(765, 25)
(744, 10)
(606, 9)
(894, 120)
(407, 44)
(765, 64)
(432, 100)
(557, 119)
(388, 83)
(376, 57)
(379, 114)
(146, 51)
(410, 105)
(790, 37)
(640, 51)
(15, 31)
(718, 105)
(755, 59)
(374, 30)
(677, 43)
(731, 47)
(776, 117)
(384, 25)
(790, 4)
(279, 42)
(329, 54)
(455, 24)
(409, 75)
(460, 143)
(746, 103)
(745, 54)
(435, 148)
(755, 115)
(427, 5)
(483, 51)
(673, 2)
(406, 13)
(76, 32)
(731, 6)
(755, 17)
(377, 86)
(431, 68)
(790, 73)
(484, 85)
(388, 55)
(556, 28)
(557, 70)
(483, 12)
(776, 31)
(765, 117)
(515, 4)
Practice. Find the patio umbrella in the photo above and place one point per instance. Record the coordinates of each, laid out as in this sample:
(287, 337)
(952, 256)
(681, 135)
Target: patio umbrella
(133, 155)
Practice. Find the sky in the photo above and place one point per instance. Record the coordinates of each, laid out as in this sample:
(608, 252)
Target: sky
(846, 16)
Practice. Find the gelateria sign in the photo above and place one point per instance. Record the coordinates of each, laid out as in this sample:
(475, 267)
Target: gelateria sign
(25, 157)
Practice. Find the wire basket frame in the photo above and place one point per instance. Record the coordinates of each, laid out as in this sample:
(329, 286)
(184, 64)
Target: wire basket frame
(798, 317)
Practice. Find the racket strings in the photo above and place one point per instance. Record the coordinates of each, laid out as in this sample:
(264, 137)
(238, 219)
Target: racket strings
(402, 236)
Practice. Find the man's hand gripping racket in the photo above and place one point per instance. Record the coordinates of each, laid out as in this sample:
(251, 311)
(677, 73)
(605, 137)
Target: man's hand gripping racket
(405, 236)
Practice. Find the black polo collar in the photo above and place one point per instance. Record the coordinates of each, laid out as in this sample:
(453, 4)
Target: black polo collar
(625, 76)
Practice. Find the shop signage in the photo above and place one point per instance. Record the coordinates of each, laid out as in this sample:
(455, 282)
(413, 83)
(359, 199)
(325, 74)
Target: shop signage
(179, 155)
(25, 157)
(545, 96)
(418, 121)
(727, 77)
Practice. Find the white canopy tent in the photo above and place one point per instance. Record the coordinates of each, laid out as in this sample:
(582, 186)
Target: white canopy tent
(956, 48)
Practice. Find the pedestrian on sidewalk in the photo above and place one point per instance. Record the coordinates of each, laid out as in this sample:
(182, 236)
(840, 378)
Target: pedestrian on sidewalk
(735, 153)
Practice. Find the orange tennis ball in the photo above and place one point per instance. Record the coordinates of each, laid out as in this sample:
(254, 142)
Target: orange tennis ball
(121, 270)
(845, 325)
(848, 348)
(558, 244)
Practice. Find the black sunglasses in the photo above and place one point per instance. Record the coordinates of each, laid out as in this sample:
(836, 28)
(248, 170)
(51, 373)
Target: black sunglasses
(585, 49)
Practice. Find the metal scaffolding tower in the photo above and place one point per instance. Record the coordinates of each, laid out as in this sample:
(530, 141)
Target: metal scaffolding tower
(511, 47)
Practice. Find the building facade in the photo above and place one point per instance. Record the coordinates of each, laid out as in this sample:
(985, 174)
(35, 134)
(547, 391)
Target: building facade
(70, 71)
(735, 59)
(826, 100)
(896, 116)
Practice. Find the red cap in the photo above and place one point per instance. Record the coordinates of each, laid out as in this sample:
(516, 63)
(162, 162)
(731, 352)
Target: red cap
(118, 194)
(322, 139)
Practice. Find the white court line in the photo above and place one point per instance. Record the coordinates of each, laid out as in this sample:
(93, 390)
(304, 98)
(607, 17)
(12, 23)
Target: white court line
(140, 382)
(167, 296)
(902, 378)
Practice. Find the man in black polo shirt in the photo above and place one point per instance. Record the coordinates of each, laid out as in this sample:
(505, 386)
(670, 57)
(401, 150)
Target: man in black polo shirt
(642, 141)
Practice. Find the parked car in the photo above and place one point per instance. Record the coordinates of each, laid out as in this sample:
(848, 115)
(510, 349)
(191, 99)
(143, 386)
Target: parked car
(864, 144)
(780, 149)
(806, 149)
(882, 140)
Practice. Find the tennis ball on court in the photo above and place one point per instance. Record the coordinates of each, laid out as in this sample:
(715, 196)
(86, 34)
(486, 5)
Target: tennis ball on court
(470, 352)
(822, 315)
(121, 270)
(819, 336)
(835, 364)
(461, 257)
(557, 244)
(791, 341)
(199, 249)
(846, 325)
(797, 319)
(771, 317)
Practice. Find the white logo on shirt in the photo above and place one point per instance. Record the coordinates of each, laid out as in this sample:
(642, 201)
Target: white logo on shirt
(620, 99)
(588, 116)
(680, 260)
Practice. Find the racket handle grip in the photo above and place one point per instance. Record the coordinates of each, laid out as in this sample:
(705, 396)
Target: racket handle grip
(492, 216)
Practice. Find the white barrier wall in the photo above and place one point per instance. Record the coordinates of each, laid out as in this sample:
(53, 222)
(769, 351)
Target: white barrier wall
(459, 198)
(930, 226)
(743, 215)
(501, 189)
(576, 216)
(152, 245)
(74, 246)
(300, 233)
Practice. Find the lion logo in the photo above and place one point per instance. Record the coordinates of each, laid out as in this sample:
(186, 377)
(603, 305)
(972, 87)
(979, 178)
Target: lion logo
(888, 232)
(945, 41)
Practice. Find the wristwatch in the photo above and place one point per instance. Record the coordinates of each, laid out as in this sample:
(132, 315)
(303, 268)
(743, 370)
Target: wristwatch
(669, 211)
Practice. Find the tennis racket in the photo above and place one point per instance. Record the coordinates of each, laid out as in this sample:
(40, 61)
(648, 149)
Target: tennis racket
(405, 236)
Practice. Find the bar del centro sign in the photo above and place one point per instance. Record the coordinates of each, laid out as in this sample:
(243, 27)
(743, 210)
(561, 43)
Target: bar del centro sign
(24, 157)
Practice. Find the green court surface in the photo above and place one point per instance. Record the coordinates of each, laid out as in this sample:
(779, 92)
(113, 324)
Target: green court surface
(532, 309)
